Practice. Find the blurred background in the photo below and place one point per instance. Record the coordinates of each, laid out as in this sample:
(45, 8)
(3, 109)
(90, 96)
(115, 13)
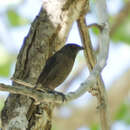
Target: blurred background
(15, 20)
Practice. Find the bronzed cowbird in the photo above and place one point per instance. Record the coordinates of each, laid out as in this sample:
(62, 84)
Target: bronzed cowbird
(58, 67)
(55, 72)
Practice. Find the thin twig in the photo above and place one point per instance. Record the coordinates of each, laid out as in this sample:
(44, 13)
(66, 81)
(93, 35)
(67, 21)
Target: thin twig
(22, 82)
(102, 15)
(55, 97)
(38, 96)
(91, 61)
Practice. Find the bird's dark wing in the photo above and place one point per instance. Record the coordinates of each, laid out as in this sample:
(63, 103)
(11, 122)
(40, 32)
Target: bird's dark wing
(50, 64)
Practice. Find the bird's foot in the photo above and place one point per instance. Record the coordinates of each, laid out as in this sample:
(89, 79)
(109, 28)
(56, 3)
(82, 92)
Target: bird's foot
(51, 91)
(58, 93)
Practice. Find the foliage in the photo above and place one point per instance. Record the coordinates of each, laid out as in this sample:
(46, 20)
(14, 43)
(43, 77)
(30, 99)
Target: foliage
(123, 114)
(15, 19)
(95, 127)
(6, 61)
(122, 33)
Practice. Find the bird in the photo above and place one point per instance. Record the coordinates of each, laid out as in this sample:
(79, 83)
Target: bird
(58, 67)
(55, 71)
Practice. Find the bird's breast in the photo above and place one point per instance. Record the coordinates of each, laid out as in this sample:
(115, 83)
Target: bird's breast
(60, 72)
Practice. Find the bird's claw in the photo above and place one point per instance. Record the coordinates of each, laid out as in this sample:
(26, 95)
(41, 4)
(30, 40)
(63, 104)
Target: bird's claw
(58, 93)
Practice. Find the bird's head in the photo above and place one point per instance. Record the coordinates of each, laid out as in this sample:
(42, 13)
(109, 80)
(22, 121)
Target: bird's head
(72, 49)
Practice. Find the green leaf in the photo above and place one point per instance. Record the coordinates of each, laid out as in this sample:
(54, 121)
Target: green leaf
(15, 19)
(5, 69)
(95, 30)
(95, 127)
(122, 33)
(123, 113)
(5, 62)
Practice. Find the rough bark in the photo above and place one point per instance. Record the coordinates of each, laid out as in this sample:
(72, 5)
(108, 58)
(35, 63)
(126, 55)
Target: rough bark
(47, 34)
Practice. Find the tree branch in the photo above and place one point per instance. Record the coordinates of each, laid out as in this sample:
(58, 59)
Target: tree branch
(38, 96)
(101, 58)
(102, 15)
(55, 97)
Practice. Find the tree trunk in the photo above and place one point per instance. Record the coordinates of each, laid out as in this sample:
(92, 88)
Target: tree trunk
(47, 34)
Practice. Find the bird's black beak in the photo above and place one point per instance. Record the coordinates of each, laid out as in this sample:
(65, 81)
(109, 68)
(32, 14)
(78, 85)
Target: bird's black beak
(81, 48)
